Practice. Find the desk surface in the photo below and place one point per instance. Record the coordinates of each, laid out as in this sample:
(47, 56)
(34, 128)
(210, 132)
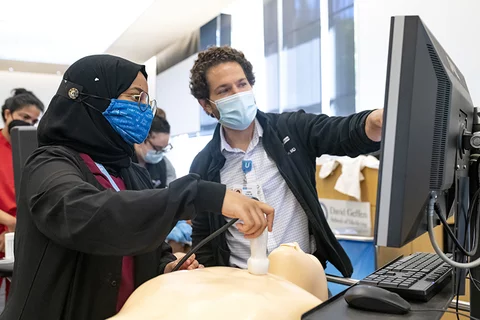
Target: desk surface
(337, 308)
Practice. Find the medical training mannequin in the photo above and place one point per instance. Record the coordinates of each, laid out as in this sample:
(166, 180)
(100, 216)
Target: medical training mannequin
(290, 263)
(295, 284)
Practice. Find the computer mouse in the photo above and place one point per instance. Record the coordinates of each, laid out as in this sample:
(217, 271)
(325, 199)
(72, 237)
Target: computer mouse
(376, 299)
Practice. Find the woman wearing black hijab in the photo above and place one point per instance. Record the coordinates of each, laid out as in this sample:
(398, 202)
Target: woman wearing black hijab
(82, 223)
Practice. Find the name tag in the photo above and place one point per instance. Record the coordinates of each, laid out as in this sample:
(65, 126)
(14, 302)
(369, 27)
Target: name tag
(250, 190)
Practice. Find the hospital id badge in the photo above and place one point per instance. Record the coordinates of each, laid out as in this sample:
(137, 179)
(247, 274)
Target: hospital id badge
(250, 190)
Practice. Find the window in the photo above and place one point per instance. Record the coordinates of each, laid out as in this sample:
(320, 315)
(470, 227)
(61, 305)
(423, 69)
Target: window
(217, 32)
(341, 28)
(270, 28)
(300, 77)
(293, 55)
(299, 15)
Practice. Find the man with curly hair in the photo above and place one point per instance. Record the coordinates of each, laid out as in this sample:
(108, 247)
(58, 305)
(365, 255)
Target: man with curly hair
(271, 157)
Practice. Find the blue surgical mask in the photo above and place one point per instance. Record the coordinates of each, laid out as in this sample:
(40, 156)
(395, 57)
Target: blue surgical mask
(237, 111)
(153, 157)
(126, 118)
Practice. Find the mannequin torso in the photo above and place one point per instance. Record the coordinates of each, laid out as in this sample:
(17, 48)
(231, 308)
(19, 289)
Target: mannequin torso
(295, 284)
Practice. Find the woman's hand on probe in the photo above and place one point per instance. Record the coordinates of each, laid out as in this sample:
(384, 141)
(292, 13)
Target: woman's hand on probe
(255, 216)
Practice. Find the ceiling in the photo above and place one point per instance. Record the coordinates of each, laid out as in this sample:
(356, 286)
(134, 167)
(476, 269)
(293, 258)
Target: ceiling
(62, 31)
(33, 67)
(56, 33)
(163, 23)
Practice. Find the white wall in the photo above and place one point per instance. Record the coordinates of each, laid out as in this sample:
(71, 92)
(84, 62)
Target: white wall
(173, 96)
(185, 149)
(44, 86)
(151, 68)
(455, 24)
(247, 36)
(172, 85)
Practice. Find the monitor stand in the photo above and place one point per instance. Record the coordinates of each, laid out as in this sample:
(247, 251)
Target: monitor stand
(475, 272)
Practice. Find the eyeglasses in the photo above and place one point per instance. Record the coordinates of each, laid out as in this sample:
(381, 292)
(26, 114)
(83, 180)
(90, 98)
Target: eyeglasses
(144, 102)
(160, 150)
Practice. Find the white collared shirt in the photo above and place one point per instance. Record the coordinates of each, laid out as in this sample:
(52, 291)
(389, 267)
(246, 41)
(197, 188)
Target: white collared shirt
(291, 222)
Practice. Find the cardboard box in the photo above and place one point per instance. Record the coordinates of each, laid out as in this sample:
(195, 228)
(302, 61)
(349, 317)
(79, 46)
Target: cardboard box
(325, 189)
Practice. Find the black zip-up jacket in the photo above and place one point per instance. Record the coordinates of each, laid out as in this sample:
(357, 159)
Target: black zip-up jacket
(309, 136)
(72, 233)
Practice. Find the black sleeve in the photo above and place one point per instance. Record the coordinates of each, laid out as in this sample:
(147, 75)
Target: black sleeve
(198, 165)
(201, 222)
(339, 136)
(166, 257)
(201, 230)
(77, 215)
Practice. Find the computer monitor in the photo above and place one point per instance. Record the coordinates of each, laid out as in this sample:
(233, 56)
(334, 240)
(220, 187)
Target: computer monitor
(24, 142)
(427, 109)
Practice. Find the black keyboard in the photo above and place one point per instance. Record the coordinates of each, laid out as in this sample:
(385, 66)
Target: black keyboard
(418, 276)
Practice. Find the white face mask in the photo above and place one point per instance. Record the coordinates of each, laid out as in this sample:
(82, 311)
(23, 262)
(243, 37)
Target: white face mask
(153, 157)
(237, 111)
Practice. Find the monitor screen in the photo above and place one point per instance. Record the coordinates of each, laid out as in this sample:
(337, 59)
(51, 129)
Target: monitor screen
(427, 109)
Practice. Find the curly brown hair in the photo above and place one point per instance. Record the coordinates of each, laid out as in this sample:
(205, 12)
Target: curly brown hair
(211, 57)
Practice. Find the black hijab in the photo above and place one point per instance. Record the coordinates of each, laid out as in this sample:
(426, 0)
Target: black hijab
(71, 123)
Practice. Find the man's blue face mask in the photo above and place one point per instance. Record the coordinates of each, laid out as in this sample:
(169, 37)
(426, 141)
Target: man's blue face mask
(237, 111)
(128, 120)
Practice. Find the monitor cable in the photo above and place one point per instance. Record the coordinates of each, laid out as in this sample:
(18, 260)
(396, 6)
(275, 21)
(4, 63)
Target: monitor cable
(474, 281)
(203, 242)
(452, 235)
(440, 253)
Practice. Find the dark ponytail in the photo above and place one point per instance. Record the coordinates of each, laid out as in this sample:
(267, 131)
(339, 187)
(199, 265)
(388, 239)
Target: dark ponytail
(160, 125)
(160, 113)
(19, 99)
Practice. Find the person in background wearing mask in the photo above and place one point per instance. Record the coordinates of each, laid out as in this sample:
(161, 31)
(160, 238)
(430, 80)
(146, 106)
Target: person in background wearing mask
(151, 155)
(23, 108)
(91, 228)
(171, 173)
(272, 157)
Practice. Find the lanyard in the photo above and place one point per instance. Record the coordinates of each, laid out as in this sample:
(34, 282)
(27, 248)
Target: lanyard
(109, 177)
